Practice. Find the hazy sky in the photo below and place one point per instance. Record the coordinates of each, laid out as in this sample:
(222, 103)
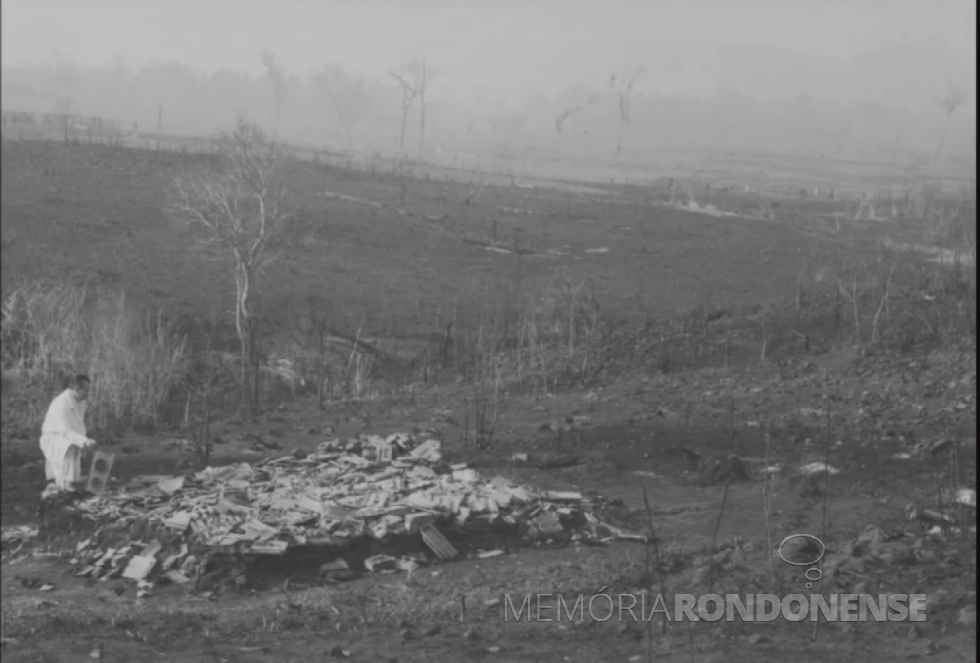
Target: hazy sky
(306, 32)
(491, 41)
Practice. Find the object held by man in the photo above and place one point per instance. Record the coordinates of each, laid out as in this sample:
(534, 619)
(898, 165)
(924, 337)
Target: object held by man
(63, 436)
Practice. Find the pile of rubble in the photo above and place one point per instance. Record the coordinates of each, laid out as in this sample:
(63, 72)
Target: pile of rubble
(370, 487)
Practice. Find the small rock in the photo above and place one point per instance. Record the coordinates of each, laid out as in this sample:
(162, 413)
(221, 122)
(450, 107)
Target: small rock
(493, 649)
(405, 635)
(431, 630)
(967, 615)
(757, 639)
(470, 634)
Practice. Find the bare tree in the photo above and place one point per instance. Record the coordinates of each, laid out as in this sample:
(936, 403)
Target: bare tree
(62, 79)
(242, 209)
(624, 92)
(949, 102)
(575, 108)
(277, 76)
(348, 96)
(590, 99)
(410, 91)
(419, 71)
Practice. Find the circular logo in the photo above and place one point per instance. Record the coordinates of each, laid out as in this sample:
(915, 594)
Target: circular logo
(817, 555)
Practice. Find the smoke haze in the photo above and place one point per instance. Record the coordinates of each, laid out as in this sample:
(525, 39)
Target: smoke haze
(716, 72)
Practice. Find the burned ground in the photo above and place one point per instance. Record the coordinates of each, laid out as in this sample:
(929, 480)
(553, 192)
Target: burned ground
(641, 423)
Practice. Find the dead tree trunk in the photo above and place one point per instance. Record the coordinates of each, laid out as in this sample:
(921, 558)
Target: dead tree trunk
(409, 92)
(244, 325)
(421, 88)
(625, 94)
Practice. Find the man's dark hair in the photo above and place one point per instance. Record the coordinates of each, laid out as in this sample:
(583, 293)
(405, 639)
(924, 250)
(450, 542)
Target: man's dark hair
(80, 381)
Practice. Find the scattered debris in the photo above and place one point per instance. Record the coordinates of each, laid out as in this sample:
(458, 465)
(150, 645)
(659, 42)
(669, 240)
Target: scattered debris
(139, 567)
(370, 486)
(545, 525)
(488, 554)
(336, 570)
(437, 542)
(177, 577)
(380, 563)
(563, 496)
(817, 468)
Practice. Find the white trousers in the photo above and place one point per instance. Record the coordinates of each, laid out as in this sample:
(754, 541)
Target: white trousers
(62, 461)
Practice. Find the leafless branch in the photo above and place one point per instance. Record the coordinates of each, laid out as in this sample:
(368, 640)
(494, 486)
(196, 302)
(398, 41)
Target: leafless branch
(410, 90)
(241, 208)
(625, 93)
(592, 98)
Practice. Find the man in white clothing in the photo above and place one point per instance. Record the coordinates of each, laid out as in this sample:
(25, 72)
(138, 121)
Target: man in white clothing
(63, 436)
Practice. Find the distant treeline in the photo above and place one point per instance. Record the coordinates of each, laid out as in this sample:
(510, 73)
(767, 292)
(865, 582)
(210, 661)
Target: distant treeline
(58, 120)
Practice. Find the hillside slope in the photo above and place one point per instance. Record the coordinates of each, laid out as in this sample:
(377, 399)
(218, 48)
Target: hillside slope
(98, 214)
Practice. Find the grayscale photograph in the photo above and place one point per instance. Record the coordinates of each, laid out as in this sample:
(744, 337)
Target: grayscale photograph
(454, 330)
